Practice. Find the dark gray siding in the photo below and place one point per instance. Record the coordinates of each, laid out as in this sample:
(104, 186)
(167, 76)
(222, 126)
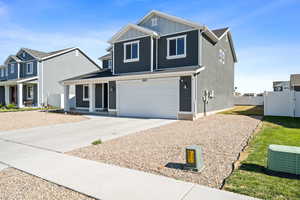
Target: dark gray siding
(185, 103)
(23, 73)
(191, 58)
(2, 95)
(112, 94)
(4, 77)
(26, 58)
(15, 74)
(79, 97)
(216, 76)
(98, 93)
(144, 57)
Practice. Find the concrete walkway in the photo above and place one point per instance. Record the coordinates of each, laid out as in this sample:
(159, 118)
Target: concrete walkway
(102, 181)
(69, 136)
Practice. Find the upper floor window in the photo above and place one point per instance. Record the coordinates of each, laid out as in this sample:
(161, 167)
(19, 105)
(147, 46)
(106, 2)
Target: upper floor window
(2, 72)
(85, 93)
(12, 68)
(131, 51)
(154, 21)
(6, 71)
(29, 68)
(109, 64)
(24, 55)
(176, 47)
(221, 56)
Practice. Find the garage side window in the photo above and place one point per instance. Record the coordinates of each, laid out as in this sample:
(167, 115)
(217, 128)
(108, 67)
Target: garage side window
(85, 93)
(131, 51)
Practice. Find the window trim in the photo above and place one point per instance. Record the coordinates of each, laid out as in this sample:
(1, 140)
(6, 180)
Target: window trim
(168, 47)
(154, 21)
(109, 64)
(83, 93)
(222, 56)
(31, 67)
(2, 72)
(27, 92)
(138, 51)
(12, 68)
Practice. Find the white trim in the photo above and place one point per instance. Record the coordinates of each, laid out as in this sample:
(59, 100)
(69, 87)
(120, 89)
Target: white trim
(109, 63)
(193, 93)
(156, 56)
(224, 34)
(82, 108)
(113, 59)
(62, 52)
(25, 80)
(30, 64)
(83, 92)
(102, 91)
(168, 47)
(151, 54)
(178, 32)
(200, 47)
(198, 115)
(184, 112)
(132, 26)
(138, 51)
(132, 77)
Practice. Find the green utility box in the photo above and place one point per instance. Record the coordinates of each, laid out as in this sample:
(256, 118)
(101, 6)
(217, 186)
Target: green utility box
(284, 159)
(194, 158)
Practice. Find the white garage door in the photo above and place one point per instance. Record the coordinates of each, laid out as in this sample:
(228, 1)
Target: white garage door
(150, 98)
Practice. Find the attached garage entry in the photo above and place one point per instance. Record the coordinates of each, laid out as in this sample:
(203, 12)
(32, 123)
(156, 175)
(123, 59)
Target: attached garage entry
(158, 98)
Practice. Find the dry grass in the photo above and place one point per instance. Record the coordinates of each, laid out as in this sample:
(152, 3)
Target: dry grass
(30, 119)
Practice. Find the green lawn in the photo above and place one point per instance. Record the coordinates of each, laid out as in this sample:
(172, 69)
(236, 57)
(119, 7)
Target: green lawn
(245, 110)
(23, 109)
(252, 178)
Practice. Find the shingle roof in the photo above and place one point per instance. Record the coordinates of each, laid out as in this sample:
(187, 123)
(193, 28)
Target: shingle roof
(106, 56)
(295, 79)
(41, 54)
(219, 32)
(96, 74)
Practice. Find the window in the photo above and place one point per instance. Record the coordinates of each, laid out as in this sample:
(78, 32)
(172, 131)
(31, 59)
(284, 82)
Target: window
(85, 93)
(12, 68)
(30, 92)
(221, 56)
(109, 64)
(2, 72)
(176, 47)
(154, 21)
(29, 68)
(23, 54)
(131, 51)
(6, 71)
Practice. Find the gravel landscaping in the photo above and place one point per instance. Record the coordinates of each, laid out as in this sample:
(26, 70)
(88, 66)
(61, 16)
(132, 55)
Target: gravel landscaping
(222, 137)
(30, 119)
(15, 184)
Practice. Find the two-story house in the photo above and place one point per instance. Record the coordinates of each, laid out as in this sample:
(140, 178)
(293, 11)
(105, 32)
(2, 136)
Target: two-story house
(31, 78)
(163, 66)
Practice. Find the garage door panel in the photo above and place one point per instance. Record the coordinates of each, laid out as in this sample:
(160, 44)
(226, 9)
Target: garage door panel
(151, 98)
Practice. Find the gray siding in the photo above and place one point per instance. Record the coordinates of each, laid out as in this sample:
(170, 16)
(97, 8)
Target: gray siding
(98, 92)
(79, 97)
(63, 67)
(165, 26)
(26, 58)
(112, 94)
(4, 77)
(185, 103)
(191, 58)
(130, 34)
(144, 57)
(35, 94)
(2, 95)
(23, 73)
(15, 74)
(216, 76)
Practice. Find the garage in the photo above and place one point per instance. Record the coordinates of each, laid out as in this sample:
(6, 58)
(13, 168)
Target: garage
(156, 98)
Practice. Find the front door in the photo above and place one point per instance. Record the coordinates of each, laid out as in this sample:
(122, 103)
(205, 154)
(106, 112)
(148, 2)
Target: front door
(105, 93)
(13, 96)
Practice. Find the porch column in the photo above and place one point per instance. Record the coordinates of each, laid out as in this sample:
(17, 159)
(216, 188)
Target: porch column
(6, 94)
(66, 98)
(20, 95)
(92, 97)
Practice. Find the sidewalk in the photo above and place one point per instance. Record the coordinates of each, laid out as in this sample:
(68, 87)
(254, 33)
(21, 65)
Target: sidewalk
(103, 181)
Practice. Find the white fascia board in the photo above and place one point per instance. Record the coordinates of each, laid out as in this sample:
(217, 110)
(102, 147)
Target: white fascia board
(133, 77)
(66, 51)
(132, 26)
(27, 79)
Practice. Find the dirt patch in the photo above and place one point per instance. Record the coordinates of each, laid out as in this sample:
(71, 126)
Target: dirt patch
(30, 119)
(15, 184)
(161, 150)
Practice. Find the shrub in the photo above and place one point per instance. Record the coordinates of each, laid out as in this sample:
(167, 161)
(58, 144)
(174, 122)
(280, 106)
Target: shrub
(1, 106)
(97, 142)
(11, 106)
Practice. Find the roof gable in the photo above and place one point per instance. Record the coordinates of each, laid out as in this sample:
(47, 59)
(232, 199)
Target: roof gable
(165, 25)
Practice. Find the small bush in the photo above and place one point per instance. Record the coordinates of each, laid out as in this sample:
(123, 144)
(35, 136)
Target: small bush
(11, 106)
(96, 142)
(2, 106)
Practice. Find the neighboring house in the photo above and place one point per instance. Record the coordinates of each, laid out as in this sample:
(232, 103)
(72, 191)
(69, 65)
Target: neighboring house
(295, 82)
(31, 78)
(279, 86)
(164, 67)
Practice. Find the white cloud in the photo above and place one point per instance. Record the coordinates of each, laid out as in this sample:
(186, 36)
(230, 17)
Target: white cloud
(259, 66)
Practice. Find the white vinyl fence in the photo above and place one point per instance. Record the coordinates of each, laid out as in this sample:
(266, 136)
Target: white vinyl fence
(249, 100)
(286, 103)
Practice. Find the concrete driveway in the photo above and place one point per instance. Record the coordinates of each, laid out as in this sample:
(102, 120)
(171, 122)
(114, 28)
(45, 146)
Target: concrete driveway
(69, 136)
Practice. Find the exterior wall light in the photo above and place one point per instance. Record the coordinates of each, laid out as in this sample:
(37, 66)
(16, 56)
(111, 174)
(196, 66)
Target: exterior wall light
(194, 158)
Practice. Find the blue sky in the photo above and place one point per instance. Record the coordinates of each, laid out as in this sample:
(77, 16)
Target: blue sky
(266, 33)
